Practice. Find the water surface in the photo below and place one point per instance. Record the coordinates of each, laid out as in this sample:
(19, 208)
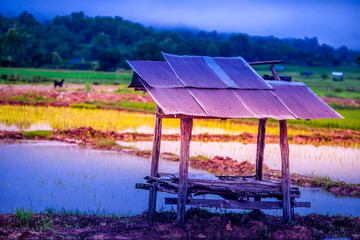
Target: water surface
(40, 175)
(336, 163)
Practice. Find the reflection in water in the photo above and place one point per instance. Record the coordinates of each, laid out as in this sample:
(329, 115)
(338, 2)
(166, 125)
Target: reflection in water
(56, 175)
(337, 163)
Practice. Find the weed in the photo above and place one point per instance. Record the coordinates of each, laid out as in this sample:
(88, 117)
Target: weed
(44, 223)
(24, 217)
(38, 133)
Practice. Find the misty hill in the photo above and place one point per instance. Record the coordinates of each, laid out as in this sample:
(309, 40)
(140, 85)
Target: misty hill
(104, 43)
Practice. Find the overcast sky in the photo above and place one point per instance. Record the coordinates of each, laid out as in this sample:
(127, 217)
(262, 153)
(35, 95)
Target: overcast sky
(333, 22)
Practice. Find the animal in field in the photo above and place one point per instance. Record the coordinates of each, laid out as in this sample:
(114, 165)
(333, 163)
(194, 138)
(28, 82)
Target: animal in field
(59, 83)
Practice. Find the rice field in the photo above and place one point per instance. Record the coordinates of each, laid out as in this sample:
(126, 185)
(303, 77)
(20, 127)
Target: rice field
(335, 163)
(25, 118)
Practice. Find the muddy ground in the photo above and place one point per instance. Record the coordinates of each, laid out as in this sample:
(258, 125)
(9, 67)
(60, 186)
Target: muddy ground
(200, 224)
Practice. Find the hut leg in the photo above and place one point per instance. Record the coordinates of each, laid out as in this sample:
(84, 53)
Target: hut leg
(285, 171)
(155, 161)
(260, 148)
(185, 132)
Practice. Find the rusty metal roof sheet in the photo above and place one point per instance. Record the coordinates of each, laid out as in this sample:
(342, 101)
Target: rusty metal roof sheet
(221, 103)
(155, 73)
(241, 73)
(264, 104)
(301, 101)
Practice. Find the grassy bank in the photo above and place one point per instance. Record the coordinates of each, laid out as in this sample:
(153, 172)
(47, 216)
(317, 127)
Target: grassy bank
(200, 224)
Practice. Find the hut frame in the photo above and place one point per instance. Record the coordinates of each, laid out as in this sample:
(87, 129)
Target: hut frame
(180, 185)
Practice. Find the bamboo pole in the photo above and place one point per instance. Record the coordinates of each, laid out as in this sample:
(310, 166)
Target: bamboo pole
(155, 161)
(185, 131)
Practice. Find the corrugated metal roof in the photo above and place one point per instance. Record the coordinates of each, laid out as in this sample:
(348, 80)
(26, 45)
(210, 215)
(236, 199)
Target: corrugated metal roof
(242, 73)
(174, 100)
(155, 73)
(301, 101)
(221, 103)
(264, 104)
(194, 71)
(212, 87)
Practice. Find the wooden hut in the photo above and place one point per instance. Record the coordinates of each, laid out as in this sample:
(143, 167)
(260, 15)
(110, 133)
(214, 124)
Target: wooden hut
(189, 87)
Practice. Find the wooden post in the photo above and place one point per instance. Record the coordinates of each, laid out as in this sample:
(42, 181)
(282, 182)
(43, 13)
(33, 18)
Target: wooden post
(155, 161)
(285, 171)
(260, 146)
(185, 132)
(276, 76)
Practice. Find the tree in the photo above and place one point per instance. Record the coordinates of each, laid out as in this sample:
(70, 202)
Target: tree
(226, 49)
(357, 59)
(108, 60)
(148, 51)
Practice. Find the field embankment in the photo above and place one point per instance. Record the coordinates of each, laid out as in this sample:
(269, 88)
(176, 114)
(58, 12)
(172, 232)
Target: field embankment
(200, 224)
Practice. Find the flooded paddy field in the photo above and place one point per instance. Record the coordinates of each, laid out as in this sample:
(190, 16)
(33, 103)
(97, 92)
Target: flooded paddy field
(40, 175)
(333, 162)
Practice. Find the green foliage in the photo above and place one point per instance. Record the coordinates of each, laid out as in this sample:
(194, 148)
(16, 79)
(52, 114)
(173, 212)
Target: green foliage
(37, 133)
(77, 41)
(23, 217)
(109, 60)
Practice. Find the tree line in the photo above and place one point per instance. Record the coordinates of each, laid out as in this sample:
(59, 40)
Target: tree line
(77, 41)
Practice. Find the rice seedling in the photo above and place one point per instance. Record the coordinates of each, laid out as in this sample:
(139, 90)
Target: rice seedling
(25, 117)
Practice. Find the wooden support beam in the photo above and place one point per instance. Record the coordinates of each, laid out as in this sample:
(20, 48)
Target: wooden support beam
(285, 171)
(186, 125)
(233, 204)
(155, 161)
(260, 146)
(265, 62)
(276, 76)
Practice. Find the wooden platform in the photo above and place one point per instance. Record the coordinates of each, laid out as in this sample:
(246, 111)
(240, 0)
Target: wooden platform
(238, 192)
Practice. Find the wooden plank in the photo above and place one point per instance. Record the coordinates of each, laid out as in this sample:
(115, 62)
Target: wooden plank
(155, 161)
(260, 146)
(285, 171)
(186, 125)
(233, 204)
(265, 62)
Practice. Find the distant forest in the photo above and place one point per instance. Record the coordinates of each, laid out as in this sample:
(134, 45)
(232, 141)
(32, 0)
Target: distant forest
(104, 43)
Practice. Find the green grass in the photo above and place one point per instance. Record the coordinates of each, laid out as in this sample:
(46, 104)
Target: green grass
(84, 105)
(38, 133)
(71, 76)
(30, 98)
(148, 107)
(322, 87)
(351, 121)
